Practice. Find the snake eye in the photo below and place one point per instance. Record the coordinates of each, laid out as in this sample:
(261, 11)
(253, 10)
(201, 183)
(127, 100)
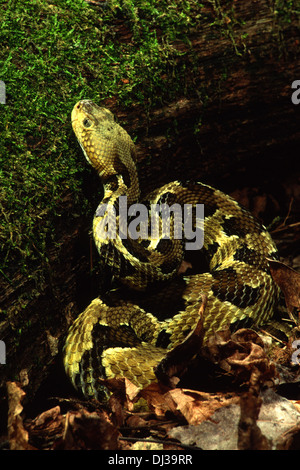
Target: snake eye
(86, 122)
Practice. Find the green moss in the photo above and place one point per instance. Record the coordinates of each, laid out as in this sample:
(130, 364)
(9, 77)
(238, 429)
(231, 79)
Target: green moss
(54, 53)
(285, 10)
(229, 25)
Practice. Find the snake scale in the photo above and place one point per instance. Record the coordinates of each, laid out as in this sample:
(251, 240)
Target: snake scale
(154, 305)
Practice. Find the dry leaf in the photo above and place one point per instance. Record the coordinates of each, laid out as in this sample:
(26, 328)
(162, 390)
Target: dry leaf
(217, 433)
(240, 353)
(289, 282)
(124, 396)
(191, 405)
(17, 435)
(195, 406)
(46, 428)
(136, 421)
(88, 431)
(289, 440)
(154, 395)
(131, 390)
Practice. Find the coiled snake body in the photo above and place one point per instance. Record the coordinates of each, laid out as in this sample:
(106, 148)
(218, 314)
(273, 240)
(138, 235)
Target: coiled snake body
(129, 330)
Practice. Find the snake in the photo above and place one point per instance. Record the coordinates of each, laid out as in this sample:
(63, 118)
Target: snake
(157, 286)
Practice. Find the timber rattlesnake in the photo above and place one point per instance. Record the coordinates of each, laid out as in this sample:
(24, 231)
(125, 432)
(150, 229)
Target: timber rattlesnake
(127, 332)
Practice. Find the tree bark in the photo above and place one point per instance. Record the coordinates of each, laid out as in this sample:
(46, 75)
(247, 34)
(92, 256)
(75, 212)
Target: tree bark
(244, 115)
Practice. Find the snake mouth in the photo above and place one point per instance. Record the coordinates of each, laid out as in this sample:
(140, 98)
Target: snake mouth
(85, 107)
(90, 108)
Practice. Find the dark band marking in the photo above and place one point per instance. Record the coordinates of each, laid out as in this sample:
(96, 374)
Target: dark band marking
(209, 209)
(169, 265)
(247, 255)
(163, 339)
(212, 249)
(115, 259)
(122, 170)
(233, 226)
(112, 183)
(229, 286)
(203, 195)
(167, 198)
(243, 323)
(136, 250)
(164, 245)
(91, 367)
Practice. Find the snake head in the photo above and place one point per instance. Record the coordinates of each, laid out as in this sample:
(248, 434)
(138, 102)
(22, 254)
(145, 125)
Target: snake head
(105, 144)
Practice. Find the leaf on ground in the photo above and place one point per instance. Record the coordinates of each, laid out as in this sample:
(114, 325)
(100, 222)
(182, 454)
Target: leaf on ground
(17, 434)
(190, 405)
(154, 395)
(196, 406)
(240, 353)
(78, 429)
(144, 445)
(289, 440)
(289, 282)
(136, 421)
(88, 431)
(122, 387)
(46, 427)
(124, 395)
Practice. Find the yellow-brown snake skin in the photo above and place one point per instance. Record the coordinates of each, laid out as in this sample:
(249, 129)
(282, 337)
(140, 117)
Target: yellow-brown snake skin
(128, 330)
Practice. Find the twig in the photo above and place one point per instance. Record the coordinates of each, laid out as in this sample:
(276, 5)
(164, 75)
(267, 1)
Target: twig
(267, 333)
(283, 226)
